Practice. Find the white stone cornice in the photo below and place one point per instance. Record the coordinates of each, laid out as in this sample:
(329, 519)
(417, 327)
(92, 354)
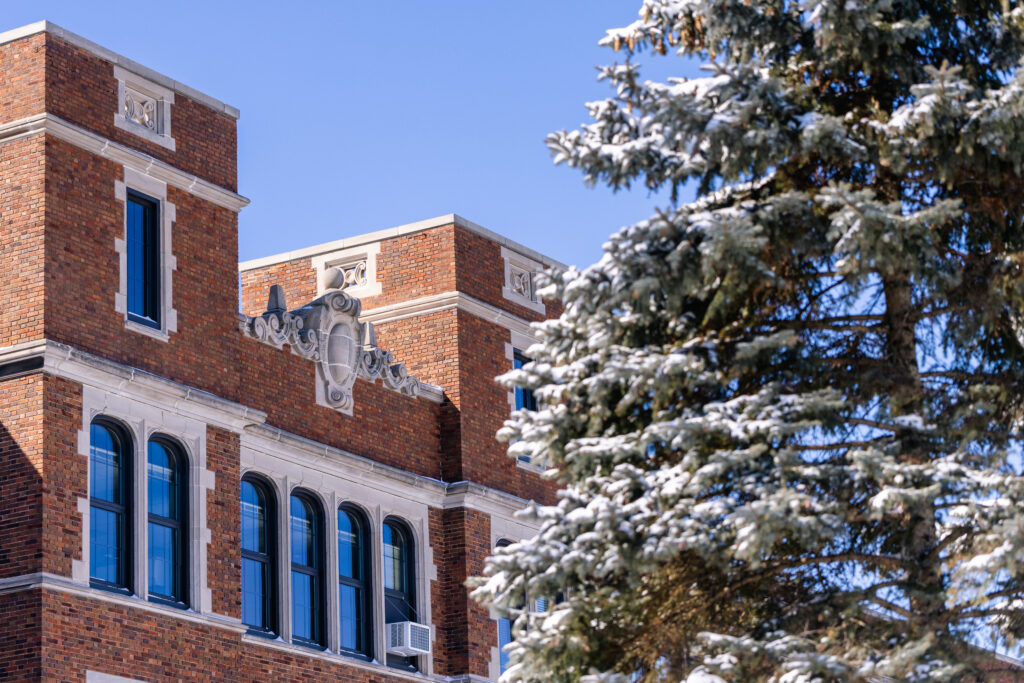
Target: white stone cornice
(108, 149)
(138, 385)
(385, 479)
(474, 496)
(118, 60)
(399, 231)
(62, 584)
(447, 301)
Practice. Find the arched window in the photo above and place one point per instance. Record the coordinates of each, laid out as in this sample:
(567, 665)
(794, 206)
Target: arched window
(109, 504)
(306, 524)
(257, 518)
(399, 580)
(167, 484)
(353, 582)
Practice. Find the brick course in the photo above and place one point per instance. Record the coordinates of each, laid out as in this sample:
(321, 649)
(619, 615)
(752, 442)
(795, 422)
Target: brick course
(21, 485)
(22, 187)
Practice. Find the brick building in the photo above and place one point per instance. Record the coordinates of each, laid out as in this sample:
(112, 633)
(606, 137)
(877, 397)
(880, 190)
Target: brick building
(296, 491)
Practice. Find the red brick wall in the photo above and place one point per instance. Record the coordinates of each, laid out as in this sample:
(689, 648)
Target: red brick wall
(22, 79)
(465, 632)
(21, 239)
(65, 475)
(481, 359)
(83, 634)
(428, 345)
(414, 266)
(481, 273)
(296, 277)
(81, 89)
(21, 636)
(385, 426)
(21, 486)
(83, 218)
(223, 554)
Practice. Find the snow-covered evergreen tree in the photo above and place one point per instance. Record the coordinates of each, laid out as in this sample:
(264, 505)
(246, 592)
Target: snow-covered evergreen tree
(787, 414)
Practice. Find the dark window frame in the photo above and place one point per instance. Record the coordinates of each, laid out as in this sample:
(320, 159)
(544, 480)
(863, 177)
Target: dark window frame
(268, 559)
(363, 586)
(180, 599)
(152, 312)
(122, 436)
(407, 597)
(525, 398)
(316, 572)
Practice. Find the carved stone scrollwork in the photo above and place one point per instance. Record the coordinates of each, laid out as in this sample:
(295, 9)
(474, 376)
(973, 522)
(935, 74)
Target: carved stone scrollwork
(345, 276)
(327, 331)
(139, 109)
(521, 282)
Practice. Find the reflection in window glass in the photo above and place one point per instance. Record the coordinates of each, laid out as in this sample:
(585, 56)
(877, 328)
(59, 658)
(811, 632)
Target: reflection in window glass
(257, 601)
(165, 488)
(304, 524)
(394, 567)
(108, 562)
(352, 605)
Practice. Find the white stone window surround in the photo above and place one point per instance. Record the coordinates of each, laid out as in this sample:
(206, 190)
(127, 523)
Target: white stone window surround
(362, 260)
(523, 342)
(516, 266)
(144, 91)
(142, 421)
(156, 189)
(288, 470)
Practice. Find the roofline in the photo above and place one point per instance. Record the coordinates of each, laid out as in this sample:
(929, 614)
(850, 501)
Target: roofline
(407, 229)
(120, 60)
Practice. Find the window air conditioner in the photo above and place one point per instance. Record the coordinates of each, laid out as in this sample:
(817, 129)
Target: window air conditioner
(407, 638)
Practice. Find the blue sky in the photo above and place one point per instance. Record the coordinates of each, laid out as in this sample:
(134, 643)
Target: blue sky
(363, 116)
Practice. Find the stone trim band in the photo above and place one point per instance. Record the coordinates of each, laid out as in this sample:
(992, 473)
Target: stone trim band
(101, 146)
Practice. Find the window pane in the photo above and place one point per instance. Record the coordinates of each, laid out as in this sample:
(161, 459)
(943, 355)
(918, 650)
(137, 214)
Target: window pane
(143, 259)
(303, 531)
(254, 511)
(255, 582)
(394, 559)
(163, 484)
(136, 258)
(350, 604)
(104, 545)
(349, 550)
(504, 638)
(104, 465)
(163, 560)
(303, 601)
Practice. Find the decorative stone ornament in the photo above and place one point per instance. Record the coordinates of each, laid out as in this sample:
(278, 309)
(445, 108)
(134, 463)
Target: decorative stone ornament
(521, 282)
(140, 109)
(345, 276)
(327, 331)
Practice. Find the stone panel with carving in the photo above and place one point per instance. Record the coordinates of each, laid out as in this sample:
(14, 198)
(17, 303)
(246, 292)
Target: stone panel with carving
(327, 331)
(521, 282)
(141, 109)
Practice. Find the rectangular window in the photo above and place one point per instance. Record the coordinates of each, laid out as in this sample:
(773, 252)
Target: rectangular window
(143, 242)
(525, 400)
